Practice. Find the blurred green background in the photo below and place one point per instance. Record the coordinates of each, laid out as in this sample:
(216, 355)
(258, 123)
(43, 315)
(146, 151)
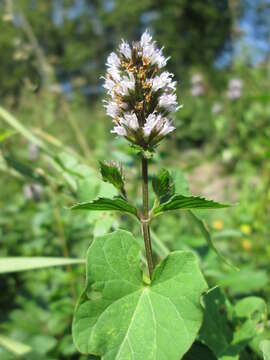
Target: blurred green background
(53, 131)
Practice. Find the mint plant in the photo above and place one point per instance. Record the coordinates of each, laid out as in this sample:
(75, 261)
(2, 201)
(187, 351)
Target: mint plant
(127, 311)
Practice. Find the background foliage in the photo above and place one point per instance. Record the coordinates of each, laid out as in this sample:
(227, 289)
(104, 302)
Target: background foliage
(52, 57)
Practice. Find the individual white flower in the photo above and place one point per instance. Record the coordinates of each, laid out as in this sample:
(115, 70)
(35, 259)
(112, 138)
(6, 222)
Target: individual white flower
(112, 109)
(167, 128)
(119, 130)
(157, 125)
(109, 85)
(125, 49)
(168, 102)
(114, 74)
(127, 83)
(153, 122)
(164, 80)
(146, 38)
(113, 61)
(130, 121)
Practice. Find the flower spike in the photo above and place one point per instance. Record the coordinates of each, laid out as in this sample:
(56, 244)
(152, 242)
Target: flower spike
(142, 96)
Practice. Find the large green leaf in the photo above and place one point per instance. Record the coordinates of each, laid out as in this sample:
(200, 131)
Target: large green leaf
(177, 202)
(13, 346)
(14, 264)
(104, 204)
(118, 317)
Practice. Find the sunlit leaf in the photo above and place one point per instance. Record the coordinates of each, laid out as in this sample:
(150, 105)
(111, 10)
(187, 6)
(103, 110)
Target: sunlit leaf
(14, 264)
(117, 310)
(13, 346)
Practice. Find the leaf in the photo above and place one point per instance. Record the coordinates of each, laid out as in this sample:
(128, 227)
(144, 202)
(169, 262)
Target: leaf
(6, 134)
(13, 346)
(206, 234)
(118, 317)
(24, 169)
(177, 202)
(215, 331)
(112, 172)
(265, 347)
(252, 307)
(104, 204)
(245, 281)
(15, 264)
(227, 330)
(163, 184)
(180, 182)
(16, 124)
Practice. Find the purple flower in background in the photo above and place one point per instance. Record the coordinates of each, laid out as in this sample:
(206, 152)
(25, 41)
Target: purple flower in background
(197, 85)
(217, 108)
(235, 88)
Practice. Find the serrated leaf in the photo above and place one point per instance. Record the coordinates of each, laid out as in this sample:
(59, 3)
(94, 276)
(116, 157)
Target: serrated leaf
(177, 202)
(15, 264)
(105, 204)
(112, 173)
(265, 347)
(163, 184)
(118, 317)
(13, 346)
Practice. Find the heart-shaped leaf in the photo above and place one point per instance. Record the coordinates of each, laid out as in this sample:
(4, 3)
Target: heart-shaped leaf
(103, 204)
(177, 202)
(118, 317)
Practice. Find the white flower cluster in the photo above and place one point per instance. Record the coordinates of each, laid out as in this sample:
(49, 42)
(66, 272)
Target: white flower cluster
(142, 96)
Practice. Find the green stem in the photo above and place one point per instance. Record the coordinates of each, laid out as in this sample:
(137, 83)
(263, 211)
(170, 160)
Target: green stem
(145, 217)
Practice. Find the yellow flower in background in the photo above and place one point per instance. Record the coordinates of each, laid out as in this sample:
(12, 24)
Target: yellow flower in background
(246, 245)
(218, 224)
(246, 229)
